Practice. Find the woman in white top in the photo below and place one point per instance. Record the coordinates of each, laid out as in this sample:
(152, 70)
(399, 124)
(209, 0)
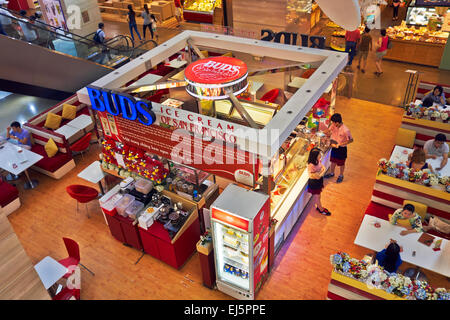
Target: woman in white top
(147, 20)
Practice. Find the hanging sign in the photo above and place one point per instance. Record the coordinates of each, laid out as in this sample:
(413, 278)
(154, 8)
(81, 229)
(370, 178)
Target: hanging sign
(211, 78)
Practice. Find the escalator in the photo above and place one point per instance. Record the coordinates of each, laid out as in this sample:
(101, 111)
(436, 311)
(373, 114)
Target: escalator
(39, 55)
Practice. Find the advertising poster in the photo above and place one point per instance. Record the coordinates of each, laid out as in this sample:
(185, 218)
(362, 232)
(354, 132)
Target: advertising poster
(163, 139)
(54, 14)
(261, 245)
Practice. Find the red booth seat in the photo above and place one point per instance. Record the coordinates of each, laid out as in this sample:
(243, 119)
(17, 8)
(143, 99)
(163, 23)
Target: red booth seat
(9, 198)
(425, 87)
(50, 164)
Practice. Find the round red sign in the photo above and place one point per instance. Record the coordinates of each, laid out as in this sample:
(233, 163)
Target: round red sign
(215, 70)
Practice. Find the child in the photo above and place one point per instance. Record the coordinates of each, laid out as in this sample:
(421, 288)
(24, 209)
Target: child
(316, 171)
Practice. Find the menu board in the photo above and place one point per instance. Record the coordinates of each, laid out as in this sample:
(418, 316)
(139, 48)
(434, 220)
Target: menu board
(179, 146)
(261, 245)
(54, 14)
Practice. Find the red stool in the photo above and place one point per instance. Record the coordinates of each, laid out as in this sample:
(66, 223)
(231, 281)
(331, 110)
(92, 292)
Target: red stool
(271, 95)
(83, 144)
(82, 194)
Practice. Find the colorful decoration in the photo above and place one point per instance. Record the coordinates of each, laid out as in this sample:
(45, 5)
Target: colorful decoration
(431, 113)
(136, 162)
(374, 275)
(401, 171)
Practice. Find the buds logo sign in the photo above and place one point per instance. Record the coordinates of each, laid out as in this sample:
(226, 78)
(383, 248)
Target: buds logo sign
(216, 70)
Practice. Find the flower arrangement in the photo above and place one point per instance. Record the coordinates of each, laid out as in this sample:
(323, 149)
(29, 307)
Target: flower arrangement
(401, 171)
(375, 276)
(431, 113)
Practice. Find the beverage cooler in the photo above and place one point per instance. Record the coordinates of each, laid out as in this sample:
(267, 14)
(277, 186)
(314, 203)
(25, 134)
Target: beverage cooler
(240, 227)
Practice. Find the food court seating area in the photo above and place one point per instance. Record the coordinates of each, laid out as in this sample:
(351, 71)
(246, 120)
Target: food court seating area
(61, 163)
(9, 198)
(425, 87)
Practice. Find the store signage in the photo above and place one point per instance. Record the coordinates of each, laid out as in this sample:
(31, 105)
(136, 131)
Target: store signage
(291, 38)
(229, 219)
(215, 70)
(213, 78)
(122, 104)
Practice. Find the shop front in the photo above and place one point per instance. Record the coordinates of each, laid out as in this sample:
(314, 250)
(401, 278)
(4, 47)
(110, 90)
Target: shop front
(203, 139)
(422, 37)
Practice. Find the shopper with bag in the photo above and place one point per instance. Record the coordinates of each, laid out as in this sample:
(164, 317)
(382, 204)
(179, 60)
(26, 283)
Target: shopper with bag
(382, 47)
(147, 21)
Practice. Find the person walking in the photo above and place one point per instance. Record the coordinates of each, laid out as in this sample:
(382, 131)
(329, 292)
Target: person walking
(153, 23)
(316, 171)
(178, 11)
(147, 22)
(340, 138)
(396, 4)
(351, 44)
(131, 17)
(382, 47)
(364, 48)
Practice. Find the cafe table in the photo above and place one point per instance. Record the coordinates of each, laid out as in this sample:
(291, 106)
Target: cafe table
(82, 122)
(425, 257)
(176, 63)
(297, 82)
(16, 160)
(71, 134)
(93, 173)
(50, 271)
(400, 155)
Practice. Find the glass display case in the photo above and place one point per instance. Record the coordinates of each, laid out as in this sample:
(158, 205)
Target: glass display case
(204, 6)
(422, 16)
(421, 34)
(261, 113)
(188, 182)
(289, 165)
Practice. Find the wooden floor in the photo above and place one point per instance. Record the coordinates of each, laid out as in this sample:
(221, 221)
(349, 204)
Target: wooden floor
(302, 268)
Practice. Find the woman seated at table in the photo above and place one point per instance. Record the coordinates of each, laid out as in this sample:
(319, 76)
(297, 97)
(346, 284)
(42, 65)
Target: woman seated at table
(389, 257)
(407, 213)
(418, 160)
(437, 94)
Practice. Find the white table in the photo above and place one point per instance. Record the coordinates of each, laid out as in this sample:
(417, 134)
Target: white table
(376, 238)
(147, 80)
(70, 133)
(81, 122)
(297, 82)
(93, 173)
(400, 155)
(17, 162)
(50, 271)
(176, 63)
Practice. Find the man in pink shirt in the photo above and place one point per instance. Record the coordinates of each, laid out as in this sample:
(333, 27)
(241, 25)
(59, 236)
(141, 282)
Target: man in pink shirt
(351, 43)
(340, 138)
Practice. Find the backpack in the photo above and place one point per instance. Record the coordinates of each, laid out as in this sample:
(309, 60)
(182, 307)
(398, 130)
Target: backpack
(97, 37)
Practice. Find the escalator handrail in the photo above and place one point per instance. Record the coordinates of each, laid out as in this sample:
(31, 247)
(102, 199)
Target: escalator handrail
(69, 36)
